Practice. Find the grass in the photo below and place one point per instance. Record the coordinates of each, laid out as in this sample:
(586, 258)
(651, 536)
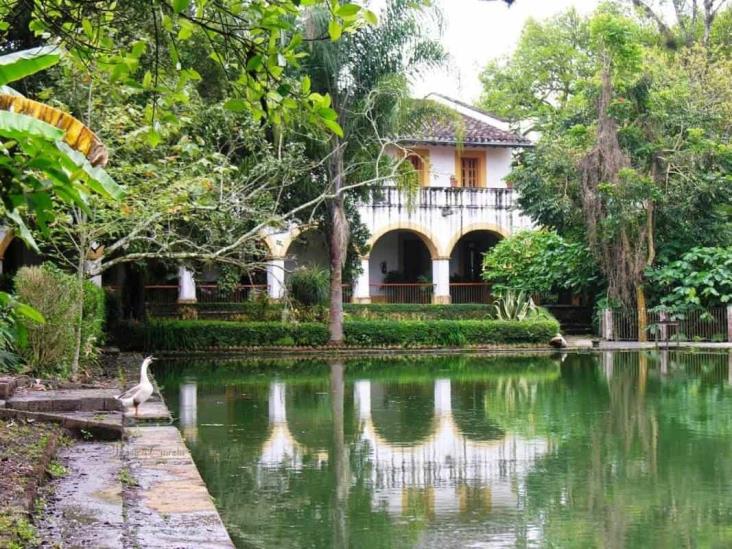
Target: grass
(24, 453)
(126, 478)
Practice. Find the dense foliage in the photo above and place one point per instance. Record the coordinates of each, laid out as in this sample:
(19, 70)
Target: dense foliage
(181, 335)
(309, 286)
(702, 277)
(539, 262)
(633, 154)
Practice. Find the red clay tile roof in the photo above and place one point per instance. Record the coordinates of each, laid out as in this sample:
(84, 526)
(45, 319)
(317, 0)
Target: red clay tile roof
(463, 129)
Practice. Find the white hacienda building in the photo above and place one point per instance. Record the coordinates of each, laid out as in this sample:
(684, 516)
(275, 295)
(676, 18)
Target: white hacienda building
(423, 248)
(428, 247)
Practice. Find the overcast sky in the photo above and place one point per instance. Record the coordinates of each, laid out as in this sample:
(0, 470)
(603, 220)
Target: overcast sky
(477, 31)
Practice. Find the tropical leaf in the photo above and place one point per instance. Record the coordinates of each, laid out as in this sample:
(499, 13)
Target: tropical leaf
(98, 179)
(77, 135)
(21, 126)
(20, 64)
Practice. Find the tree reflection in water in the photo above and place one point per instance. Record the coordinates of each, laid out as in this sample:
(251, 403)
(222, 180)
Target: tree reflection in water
(621, 449)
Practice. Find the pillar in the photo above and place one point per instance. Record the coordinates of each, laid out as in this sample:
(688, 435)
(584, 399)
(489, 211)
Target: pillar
(362, 399)
(91, 265)
(729, 323)
(663, 328)
(186, 285)
(441, 280)
(362, 286)
(607, 324)
(188, 412)
(443, 397)
(276, 278)
(277, 403)
(608, 361)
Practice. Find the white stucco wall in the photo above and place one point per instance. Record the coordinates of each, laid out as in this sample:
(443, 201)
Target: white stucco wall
(442, 164)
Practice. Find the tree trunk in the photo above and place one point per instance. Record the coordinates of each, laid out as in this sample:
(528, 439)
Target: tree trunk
(79, 318)
(341, 463)
(640, 301)
(338, 245)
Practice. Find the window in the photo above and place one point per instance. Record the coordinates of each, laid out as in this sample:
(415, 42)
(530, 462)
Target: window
(469, 175)
(470, 168)
(419, 159)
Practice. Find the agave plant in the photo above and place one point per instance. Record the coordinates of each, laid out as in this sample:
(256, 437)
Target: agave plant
(514, 305)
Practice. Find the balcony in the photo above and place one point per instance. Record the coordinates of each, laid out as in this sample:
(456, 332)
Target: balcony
(442, 198)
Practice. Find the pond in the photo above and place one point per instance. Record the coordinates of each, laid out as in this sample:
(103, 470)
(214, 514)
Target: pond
(574, 450)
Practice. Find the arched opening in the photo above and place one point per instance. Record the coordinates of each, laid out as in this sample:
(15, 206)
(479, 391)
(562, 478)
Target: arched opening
(400, 266)
(308, 249)
(403, 413)
(466, 266)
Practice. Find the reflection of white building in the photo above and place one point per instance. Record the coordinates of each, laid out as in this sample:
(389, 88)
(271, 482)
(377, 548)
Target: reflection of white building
(446, 472)
(188, 401)
(447, 464)
(281, 448)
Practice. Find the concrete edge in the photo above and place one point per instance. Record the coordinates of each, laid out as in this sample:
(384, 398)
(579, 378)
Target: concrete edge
(81, 428)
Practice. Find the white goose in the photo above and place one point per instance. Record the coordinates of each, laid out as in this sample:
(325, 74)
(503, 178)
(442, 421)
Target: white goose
(141, 392)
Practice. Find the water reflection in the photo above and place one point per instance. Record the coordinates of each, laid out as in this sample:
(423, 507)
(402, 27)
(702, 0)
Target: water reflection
(618, 449)
(188, 410)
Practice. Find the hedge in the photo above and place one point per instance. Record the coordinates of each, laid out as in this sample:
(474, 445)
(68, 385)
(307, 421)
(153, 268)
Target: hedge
(254, 311)
(182, 335)
(417, 311)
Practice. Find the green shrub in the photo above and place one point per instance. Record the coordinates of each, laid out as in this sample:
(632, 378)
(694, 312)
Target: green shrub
(57, 296)
(49, 349)
(417, 311)
(181, 335)
(309, 286)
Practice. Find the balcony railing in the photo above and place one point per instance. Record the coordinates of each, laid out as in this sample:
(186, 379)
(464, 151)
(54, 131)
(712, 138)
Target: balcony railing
(443, 198)
(211, 293)
(402, 293)
(470, 292)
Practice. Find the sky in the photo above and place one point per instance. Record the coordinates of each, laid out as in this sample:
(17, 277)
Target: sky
(477, 31)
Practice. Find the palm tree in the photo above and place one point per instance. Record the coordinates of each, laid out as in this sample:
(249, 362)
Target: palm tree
(366, 75)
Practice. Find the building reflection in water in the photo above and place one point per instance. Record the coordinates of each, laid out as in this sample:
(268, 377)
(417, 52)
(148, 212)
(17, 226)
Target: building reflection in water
(189, 410)
(446, 472)
(281, 448)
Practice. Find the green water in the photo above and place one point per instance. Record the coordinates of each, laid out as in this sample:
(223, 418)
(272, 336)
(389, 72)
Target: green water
(613, 450)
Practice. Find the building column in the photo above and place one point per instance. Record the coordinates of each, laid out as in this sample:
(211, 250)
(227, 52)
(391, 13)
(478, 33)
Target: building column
(91, 265)
(443, 397)
(362, 285)
(186, 285)
(607, 324)
(441, 280)
(729, 324)
(276, 278)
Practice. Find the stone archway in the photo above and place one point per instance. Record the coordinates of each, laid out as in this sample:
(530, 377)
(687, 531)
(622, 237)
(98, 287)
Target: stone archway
(466, 264)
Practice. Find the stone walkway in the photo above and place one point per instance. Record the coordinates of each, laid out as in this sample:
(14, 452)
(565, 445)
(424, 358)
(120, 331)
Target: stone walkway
(143, 491)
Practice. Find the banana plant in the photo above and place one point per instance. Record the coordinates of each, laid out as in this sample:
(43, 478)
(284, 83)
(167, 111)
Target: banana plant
(46, 155)
(514, 305)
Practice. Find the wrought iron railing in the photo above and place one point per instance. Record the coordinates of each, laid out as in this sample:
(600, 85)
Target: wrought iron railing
(402, 293)
(694, 325)
(470, 292)
(212, 293)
